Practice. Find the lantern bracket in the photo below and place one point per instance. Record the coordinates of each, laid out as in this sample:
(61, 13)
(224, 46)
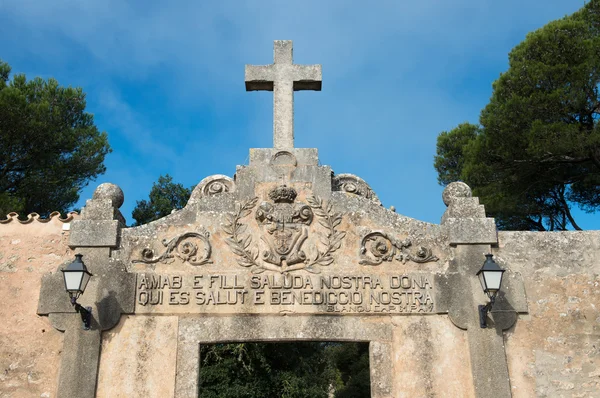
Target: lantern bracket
(85, 312)
(483, 311)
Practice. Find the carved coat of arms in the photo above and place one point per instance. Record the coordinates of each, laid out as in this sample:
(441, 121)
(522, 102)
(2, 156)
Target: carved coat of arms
(284, 226)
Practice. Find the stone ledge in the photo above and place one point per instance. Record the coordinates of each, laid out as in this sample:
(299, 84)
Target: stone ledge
(98, 209)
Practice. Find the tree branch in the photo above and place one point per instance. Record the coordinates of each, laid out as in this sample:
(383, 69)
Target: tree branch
(561, 159)
(567, 210)
(595, 159)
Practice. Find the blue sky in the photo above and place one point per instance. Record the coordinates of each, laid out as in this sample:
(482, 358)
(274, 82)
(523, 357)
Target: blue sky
(165, 80)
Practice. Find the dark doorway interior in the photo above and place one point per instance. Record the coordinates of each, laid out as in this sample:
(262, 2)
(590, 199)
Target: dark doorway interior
(300, 369)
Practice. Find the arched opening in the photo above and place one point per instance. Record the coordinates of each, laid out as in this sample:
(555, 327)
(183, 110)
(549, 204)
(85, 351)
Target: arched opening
(194, 332)
(294, 369)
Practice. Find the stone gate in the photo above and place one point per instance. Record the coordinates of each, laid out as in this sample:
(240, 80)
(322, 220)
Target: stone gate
(287, 250)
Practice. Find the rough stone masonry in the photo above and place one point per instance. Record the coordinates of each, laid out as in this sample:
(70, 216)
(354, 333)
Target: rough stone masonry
(287, 250)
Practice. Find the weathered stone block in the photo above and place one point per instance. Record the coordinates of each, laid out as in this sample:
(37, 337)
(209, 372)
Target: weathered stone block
(99, 209)
(464, 208)
(93, 233)
(471, 231)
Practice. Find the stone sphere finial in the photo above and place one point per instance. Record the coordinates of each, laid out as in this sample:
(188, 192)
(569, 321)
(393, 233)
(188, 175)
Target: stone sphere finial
(456, 190)
(110, 191)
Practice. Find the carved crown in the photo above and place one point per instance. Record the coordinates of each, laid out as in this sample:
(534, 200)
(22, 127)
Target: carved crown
(283, 194)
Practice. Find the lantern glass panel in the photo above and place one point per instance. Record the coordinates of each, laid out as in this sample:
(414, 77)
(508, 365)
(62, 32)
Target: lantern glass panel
(482, 280)
(73, 280)
(85, 280)
(493, 280)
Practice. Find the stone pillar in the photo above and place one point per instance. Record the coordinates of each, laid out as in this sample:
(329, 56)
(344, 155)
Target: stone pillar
(79, 360)
(472, 235)
(110, 292)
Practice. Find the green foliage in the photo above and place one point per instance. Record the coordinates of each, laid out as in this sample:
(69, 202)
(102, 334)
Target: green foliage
(4, 72)
(49, 146)
(293, 370)
(537, 151)
(451, 150)
(165, 196)
(284, 370)
(351, 361)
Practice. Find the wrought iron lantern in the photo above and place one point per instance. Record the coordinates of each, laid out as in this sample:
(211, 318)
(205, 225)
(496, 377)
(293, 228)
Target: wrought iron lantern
(490, 276)
(76, 278)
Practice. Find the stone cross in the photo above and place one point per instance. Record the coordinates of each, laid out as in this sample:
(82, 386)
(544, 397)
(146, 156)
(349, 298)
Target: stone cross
(283, 78)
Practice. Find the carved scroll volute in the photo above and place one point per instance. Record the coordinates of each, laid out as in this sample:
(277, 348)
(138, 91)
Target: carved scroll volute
(191, 247)
(350, 183)
(377, 247)
(212, 185)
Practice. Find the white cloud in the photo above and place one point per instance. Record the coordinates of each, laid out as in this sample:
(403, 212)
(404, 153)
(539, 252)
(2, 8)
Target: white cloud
(130, 126)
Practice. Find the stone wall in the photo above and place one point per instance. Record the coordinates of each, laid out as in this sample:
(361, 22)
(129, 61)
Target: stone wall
(148, 367)
(542, 339)
(554, 351)
(30, 348)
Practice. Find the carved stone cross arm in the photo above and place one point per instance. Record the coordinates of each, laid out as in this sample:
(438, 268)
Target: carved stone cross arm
(283, 78)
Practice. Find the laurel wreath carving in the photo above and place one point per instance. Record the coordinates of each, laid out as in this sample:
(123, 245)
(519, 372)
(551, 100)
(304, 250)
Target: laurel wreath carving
(239, 243)
(330, 220)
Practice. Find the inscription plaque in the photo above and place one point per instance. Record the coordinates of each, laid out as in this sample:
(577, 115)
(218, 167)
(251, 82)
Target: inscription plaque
(230, 293)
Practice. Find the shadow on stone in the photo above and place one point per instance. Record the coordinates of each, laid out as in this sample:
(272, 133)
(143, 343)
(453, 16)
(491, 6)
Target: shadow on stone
(503, 316)
(109, 311)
